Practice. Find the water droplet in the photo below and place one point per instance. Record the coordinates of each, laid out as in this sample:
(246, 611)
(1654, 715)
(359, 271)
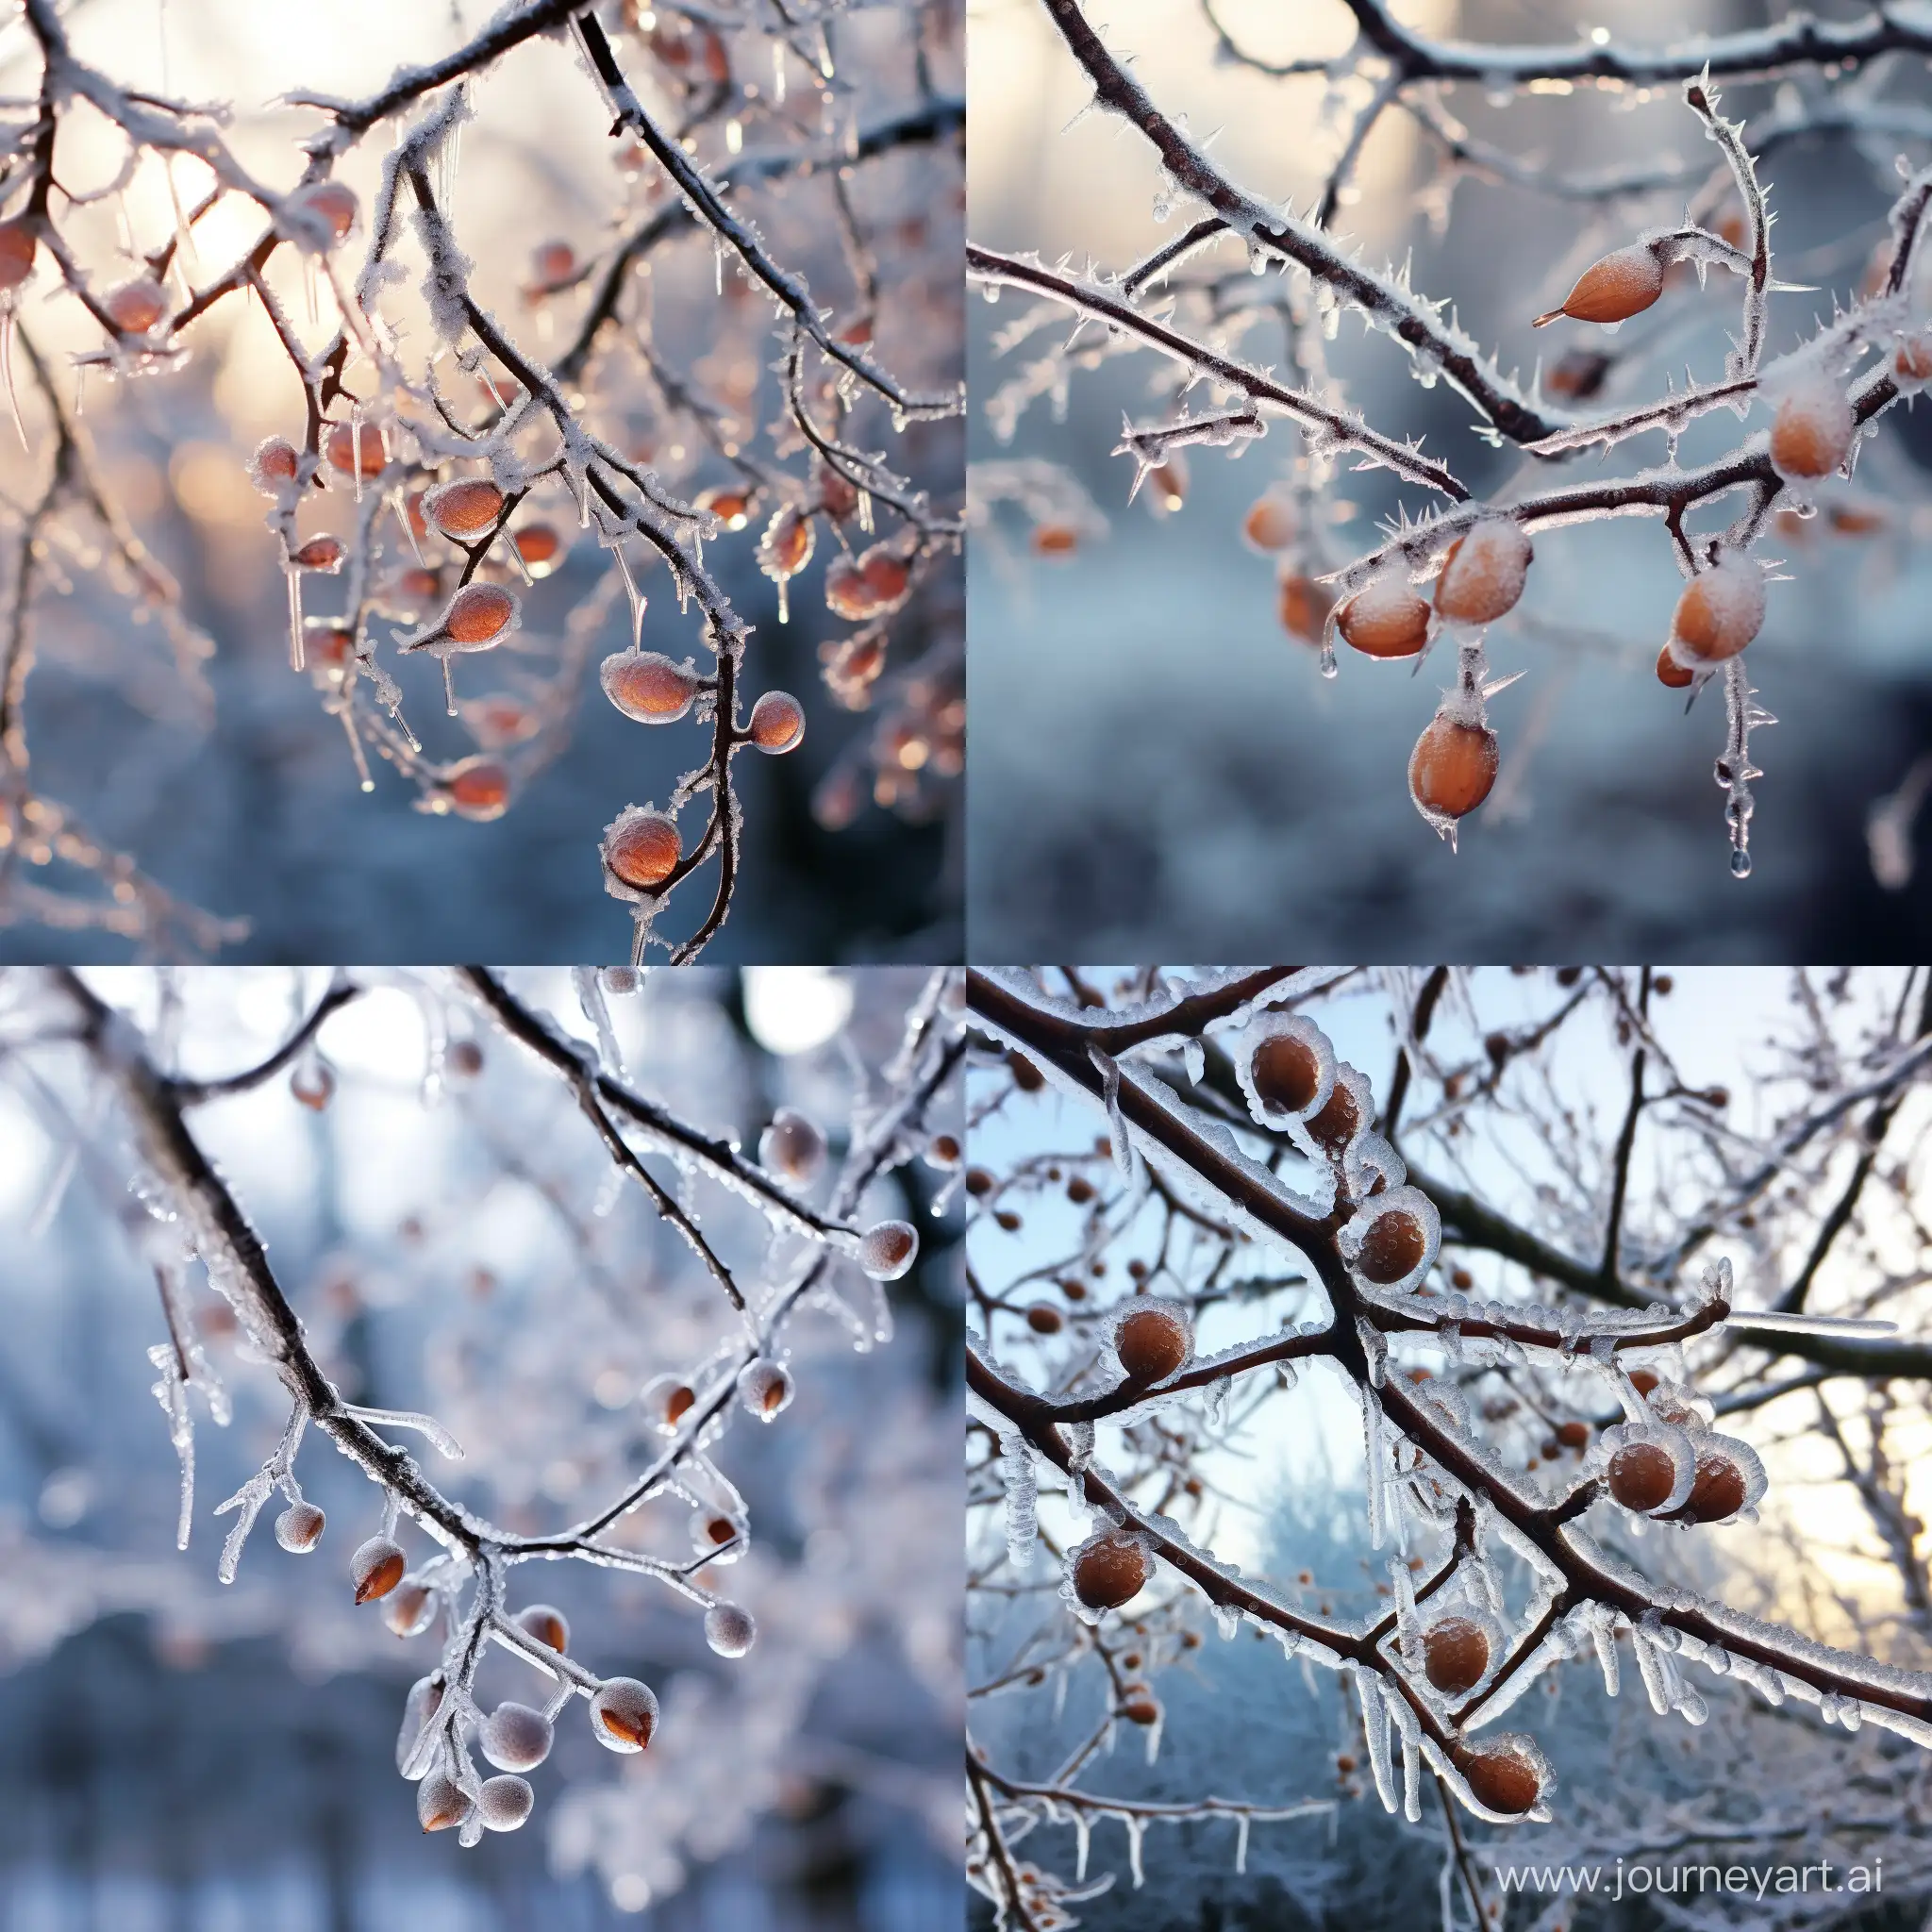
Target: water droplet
(1740, 865)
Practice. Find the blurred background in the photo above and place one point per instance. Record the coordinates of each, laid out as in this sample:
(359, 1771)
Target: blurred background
(1208, 794)
(225, 781)
(174, 1754)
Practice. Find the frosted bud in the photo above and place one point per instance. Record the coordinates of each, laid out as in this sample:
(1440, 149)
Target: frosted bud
(1153, 1338)
(504, 1802)
(729, 1630)
(299, 1528)
(546, 1624)
(763, 1387)
(515, 1738)
(888, 1250)
(623, 1714)
(792, 1147)
(376, 1568)
(439, 1804)
(1110, 1569)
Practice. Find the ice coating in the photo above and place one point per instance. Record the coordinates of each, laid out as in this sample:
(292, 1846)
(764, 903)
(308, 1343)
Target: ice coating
(1387, 1231)
(1813, 425)
(1721, 610)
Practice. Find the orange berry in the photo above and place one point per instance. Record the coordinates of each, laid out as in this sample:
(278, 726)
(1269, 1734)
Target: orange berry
(1270, 523)
(1455, 1653)
(1393, 1246)
(777, 721)
(136, 305)
(18, 242)
(1619, 286)
(1386, 618)
(647, 686)
(764, 1389)
(1856, 519)
(376, 1568)
(273, 464)
(1669, 672)
(623, 1714)
(1811, 433)
(466, 508)
(1912, 360)
(408, 1608)
(348, 446)
(1138, 1704)
(546, 1624)
(785, 549)
(1110, 1569)
(334, 203)
(1451, 768)
(1286, 1073)
(1055, 540)
(540, 546)
(642, 849)
(1303, 607)
(1483, 574)
(477, 789)
(1719, 612)
(837, 493)
(731, 507)
(320, 554)
(553, 264)
(1152, 1341)
(478, 614)
(1642, 1476)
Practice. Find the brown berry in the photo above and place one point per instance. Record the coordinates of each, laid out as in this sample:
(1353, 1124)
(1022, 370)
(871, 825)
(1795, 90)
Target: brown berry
(1111, 1570)
(641, 849)
(1619, 286)
(1045, 1319)
(1336, 1125)
(1642, 1476)
(1387, 618)
(1286, 1073)
(1501, 1778)
(1573, 1435)
(376, 1568)
(1719, 1490)
(463, 509)
(18, 242)
(546, 1624)
(1455, 1653)
(1152, 1342)
(1392, 1247)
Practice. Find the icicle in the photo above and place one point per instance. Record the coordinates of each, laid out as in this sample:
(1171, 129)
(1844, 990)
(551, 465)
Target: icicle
(1241, 1845)
(1603, 1631)
(1108, 1070)
(6, 371)
(1375, 1347)
(637, 596)
(1135, 1829)
(1021, 1485)
(171, 1391)
(1410, 1733)
(1372, 1446)
(1375, 1730)
(297, 656)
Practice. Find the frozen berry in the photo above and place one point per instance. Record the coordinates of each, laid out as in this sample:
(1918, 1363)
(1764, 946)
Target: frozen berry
(1286, 1072)
(1811, 433)
(136, 305)
(647, 686)
(478, 789)
(463, 509)
(1455, 1653)
(515, 1738)
(1619, 286)
(408, 1608)
(793, 1146)
(1303, 606)
(1483, 577)
(1111, 1570)
(1270, 523)
(1394, 1245)
(888, 1250)
(641, 849)
(623, 1714)
(777, 721)
(1386, 618)
(18, 242)
(763, 1387)
(504, 1802)
(439, 1804)
(1670, 673)
(478, 615)
(785, 549)
(1451, 768)
(376, 1568)
(1045, 1319)
(272, 466)
(299, 1527)
(547, 1625)
(1642, 1476)
(1339, 1120)
(540, 546)
(330, 202)
(1502, 1778)
(354, 448)
(1719, 612)
(324, 554)
(1152, 1341)
(423, 1701)
(729, 1630)
(1719, 1489)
